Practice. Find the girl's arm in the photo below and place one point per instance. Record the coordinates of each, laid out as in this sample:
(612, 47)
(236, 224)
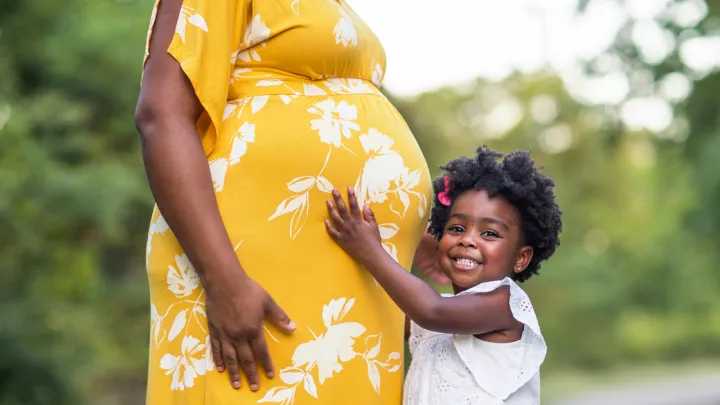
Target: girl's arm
(407, 327)
(358, 234)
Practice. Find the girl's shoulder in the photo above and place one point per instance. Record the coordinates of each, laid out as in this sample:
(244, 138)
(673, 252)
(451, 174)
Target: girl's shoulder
(520, 305)
(531, 349)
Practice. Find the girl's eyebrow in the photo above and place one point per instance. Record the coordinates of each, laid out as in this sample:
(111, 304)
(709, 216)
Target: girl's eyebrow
(482, 219)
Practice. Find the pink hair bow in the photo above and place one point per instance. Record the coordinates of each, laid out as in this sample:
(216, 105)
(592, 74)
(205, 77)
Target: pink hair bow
(444, 196)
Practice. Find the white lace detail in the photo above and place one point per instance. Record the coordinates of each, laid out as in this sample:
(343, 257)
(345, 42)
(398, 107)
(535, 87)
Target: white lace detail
(460, 369)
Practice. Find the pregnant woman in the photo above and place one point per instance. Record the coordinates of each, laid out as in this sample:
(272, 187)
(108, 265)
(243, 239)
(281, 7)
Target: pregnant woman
(250, 112)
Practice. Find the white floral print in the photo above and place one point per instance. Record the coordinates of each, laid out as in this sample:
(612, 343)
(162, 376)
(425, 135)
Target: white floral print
(186, 366)
(387, 231)
(337, 121)
(327, 352)
(156, 326)
(299, 204)
(178, 325)
(195, 358)
(284, 97)
(347, 86)
(377, 74)
(231, 108)
(255, 33)
(188, 15)
(236, 107)
(238, 73)
(344, 31)
(312, 90)
(258, 102)
(404, 184)
(183, 280)
(239, 144)
(209, 364)
(244, 135)
(384, 168)
(333, 347)
(392, 363)
(159, 226)
(218, 170)
(295, 5)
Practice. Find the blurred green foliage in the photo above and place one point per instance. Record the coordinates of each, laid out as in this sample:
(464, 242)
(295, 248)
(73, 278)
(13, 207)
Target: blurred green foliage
(634, 279)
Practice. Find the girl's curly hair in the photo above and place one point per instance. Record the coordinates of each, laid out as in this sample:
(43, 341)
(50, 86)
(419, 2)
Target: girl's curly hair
(516, 179)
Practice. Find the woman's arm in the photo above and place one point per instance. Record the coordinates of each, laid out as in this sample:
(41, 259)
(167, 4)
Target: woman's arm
(180, 181)
(469, 314)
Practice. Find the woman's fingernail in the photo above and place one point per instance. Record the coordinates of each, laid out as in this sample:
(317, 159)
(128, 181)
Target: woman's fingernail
(270, 374)
(236, 384)
(254, 387)
(221, 368)
(292, 326)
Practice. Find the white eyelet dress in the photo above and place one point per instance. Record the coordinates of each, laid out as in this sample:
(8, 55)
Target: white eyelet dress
(463, 370)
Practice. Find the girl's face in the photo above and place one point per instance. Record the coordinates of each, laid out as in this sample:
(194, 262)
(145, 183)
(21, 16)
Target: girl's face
(482, 241)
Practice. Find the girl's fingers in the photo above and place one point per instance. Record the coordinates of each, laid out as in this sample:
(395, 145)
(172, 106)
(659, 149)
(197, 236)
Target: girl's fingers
(333, 213)
(340, 205)
(370, 216)
(332, 231)
(352, 201)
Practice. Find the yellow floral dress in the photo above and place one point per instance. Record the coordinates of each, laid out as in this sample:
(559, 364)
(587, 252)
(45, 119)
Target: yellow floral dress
(292, 109)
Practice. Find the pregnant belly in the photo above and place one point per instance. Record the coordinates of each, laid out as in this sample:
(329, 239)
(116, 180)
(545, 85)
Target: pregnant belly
(283, 158)
(275, 162)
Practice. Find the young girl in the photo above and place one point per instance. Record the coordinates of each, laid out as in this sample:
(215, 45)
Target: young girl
(495, 222)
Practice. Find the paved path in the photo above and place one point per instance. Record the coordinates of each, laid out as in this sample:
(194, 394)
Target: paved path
(703, 390)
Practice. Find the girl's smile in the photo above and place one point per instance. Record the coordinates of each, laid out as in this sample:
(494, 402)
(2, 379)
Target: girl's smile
(465, 262)
(482, 240)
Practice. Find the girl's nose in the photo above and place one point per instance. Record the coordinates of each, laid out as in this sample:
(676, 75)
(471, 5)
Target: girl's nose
(467, 241)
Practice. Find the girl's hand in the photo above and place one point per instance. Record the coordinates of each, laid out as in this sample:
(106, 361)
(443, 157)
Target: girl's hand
(426, 259)
(354, 230)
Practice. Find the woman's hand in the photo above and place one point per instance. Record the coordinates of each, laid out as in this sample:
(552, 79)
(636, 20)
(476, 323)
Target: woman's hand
(356, 231)
(180, 180)
(235, 317)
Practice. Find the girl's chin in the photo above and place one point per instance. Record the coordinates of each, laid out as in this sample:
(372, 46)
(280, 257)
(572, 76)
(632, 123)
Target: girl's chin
(464, 280)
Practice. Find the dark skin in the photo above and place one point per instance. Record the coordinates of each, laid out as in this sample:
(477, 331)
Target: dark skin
(426, 258)
(482, 242)
(179, 177)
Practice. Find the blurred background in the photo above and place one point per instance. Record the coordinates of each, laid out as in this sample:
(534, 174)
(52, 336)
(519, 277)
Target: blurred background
(618, 99)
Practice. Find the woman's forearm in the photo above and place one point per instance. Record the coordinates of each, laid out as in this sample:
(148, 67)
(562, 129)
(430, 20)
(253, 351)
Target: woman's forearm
(180, 181)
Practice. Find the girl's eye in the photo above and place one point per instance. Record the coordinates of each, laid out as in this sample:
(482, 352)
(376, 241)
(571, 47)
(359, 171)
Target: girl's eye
(491, 234)
(455, 228)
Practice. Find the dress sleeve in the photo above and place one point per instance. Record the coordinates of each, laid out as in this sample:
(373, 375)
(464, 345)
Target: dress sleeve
(207, 37)
(534, 348)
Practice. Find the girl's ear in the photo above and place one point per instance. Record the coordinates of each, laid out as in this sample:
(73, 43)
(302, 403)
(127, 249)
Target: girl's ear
(524, 256)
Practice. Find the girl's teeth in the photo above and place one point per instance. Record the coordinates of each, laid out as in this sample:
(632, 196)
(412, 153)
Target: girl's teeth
(466, 262)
